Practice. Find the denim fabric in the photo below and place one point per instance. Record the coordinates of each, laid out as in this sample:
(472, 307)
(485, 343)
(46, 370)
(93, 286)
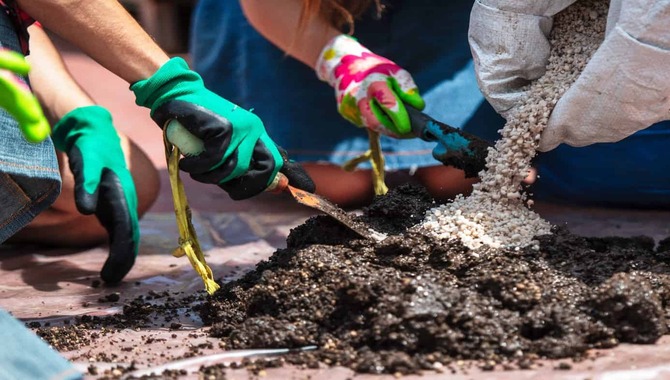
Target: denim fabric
(25, 356)
(300, 112)
(634, 172)
(429, 39)
(29, 176)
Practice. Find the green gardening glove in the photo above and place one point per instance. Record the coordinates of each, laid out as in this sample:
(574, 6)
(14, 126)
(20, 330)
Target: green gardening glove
(18, 100)
(103, 184)
(238, 155)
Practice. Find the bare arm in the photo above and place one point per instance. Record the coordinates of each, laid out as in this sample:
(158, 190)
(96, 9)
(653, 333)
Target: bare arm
(278, 22)
(52, 83)
(105, 31)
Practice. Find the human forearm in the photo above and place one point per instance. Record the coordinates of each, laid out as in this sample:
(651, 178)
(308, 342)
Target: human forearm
(278, 22)
(52, 83)
(103, 30)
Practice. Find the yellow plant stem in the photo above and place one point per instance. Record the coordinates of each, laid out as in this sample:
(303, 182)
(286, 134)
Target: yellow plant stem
(376, 158)
(188, 239)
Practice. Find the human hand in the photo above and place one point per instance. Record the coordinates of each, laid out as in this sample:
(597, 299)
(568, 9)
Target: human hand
(103, 183)
(625, 87)
(17, 98)
(370, 90)
(510, 46)
(238, 155)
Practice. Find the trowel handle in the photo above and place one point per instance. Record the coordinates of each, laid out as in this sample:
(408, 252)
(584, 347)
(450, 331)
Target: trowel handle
(279, 184)
(191, 145)
(420, 123)
(179, 136)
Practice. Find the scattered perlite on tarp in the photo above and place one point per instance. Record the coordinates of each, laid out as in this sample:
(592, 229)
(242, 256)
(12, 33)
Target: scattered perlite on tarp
(496, 213)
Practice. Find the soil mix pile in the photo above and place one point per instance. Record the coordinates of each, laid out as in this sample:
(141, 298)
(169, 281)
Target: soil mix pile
(412, 302)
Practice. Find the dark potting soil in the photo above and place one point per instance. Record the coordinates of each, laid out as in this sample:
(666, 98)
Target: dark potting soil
(411, 302)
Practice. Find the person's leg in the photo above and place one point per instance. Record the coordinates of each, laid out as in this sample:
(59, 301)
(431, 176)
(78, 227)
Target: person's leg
(630, 173)
(444, 182)
(354, 189)
(346, 189)
(63, 225)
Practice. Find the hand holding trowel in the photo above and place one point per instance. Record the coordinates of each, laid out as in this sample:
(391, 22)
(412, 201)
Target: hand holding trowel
(191, 145)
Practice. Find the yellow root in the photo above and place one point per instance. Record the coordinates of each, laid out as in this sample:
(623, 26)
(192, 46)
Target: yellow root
(188, 239)
(376, 158)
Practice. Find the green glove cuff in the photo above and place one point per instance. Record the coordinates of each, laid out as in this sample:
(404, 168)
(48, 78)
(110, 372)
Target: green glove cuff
(175, 81)
(172, 81)
(83, 121)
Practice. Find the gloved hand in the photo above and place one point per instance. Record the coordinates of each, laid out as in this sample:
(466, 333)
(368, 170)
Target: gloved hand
(17, 98)
(625, 87)
(239, 155)
(370, 89)
(103, 184)
(510, 46)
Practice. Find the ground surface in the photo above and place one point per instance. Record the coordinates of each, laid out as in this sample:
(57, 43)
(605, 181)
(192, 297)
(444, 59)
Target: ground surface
(51, 286)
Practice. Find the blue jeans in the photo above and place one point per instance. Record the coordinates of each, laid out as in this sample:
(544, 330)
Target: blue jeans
(634, 172)
(29, 175)
(25, 356)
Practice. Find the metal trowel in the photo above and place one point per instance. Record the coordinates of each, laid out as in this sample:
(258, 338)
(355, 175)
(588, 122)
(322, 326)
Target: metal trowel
(191, 145)
(316, 202)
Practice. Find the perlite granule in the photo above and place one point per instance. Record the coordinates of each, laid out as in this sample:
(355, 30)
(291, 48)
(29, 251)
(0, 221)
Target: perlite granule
(496, 213)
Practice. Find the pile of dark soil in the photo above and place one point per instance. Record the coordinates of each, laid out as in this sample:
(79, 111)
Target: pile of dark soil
(411, 303)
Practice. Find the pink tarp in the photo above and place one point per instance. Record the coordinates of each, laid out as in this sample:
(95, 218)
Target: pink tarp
(56, 284)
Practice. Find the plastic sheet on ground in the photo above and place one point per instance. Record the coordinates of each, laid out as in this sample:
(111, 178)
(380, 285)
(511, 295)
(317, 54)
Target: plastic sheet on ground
(54, 285)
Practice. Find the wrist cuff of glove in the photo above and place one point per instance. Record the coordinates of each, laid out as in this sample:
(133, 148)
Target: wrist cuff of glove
(70, 126)
(172, 80)
(332, 54)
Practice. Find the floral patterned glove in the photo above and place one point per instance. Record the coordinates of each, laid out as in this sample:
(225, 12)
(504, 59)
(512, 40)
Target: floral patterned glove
(370, 89)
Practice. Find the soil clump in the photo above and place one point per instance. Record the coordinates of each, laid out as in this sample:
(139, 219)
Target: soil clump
(413, 302)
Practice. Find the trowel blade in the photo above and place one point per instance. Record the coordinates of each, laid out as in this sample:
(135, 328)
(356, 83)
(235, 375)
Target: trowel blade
(316, 202)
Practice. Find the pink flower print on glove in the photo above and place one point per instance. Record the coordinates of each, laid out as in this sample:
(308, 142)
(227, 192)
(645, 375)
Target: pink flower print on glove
(370, 90)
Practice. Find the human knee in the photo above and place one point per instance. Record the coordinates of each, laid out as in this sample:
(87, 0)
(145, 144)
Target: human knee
(346, 189)
(145, 176)
(91, 235)
(444, 182)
